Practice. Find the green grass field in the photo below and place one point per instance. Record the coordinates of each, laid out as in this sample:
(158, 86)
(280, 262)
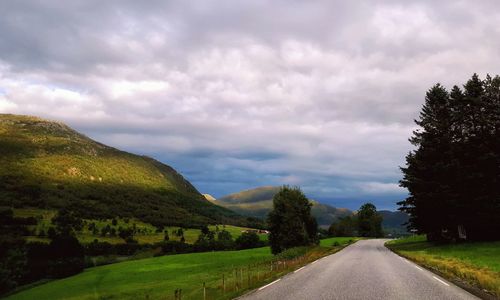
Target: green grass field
(159, 277)
(476, 263)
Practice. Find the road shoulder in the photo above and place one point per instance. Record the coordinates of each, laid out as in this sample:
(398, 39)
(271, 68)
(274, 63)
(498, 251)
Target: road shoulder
(476, 291)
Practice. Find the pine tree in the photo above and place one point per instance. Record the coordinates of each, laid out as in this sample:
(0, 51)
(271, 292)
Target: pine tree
(479, 159)
(427, 166)
(453, 176)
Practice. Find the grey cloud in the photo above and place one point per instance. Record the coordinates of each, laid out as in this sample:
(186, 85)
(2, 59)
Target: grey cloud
(238, 94)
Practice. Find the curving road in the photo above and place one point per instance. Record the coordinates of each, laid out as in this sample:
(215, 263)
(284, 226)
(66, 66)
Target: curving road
(364, 270)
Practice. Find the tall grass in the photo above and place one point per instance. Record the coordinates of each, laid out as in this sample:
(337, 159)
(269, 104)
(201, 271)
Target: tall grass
(475, 263)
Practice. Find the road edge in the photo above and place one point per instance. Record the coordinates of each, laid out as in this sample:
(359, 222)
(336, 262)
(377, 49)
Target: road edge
(474, 290)
(292, 272)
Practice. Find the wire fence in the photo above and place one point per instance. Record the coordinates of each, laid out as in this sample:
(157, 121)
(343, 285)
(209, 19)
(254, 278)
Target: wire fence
(234, 281)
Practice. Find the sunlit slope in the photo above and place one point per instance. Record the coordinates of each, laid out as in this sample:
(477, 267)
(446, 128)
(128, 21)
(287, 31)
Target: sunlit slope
(46, 164)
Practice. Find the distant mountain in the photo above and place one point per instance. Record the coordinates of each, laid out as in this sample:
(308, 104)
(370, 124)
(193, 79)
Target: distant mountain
(393, 218)
(258, 203)
(394, 222)
(45, 164)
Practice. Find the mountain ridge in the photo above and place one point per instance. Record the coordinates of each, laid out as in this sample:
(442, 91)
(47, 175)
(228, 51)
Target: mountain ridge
(257, 202)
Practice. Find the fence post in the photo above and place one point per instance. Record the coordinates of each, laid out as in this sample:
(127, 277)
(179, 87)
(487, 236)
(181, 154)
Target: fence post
(236, 278)
(204, 292)
(223, 284)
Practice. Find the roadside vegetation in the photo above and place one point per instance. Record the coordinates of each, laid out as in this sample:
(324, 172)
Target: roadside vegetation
(225, 274)
(452, 178)
(477, 264)
(290, 222)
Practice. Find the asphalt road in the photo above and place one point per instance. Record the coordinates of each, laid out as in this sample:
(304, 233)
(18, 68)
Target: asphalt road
(364, 270)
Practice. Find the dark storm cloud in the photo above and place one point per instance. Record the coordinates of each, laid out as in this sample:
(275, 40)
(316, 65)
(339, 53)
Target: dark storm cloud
(320, 94)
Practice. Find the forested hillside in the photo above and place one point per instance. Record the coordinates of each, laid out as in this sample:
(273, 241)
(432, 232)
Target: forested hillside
(48, 165)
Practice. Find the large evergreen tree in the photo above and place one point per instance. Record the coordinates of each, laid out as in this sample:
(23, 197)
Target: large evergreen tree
(428, 165)
(290, 222)
(453, 174)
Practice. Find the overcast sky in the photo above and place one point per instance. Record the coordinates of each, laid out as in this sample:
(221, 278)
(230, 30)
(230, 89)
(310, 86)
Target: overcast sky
(240, 94)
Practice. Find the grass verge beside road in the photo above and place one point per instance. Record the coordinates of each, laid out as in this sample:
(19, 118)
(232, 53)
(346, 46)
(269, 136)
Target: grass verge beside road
(477, 264)
(160, 277)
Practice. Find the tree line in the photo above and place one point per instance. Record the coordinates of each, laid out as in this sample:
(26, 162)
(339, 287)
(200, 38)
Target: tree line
(159, 207)
(23, 262)
(453, 175)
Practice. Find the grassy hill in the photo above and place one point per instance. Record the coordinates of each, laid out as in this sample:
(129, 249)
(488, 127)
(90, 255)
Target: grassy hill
(258, 202)
(47, 165)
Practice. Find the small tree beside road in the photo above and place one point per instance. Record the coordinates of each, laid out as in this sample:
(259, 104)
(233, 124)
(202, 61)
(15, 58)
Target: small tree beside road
(369, 221)
(290, 222)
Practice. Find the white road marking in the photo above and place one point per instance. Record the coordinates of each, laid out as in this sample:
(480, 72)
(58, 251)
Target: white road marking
(418, 267)
(298, 270)
(269, 284)
(440, 280)
(314, 262)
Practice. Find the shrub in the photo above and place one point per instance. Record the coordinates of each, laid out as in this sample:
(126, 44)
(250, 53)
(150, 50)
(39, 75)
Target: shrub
(292, 253)
(248, 240)
(171, 247)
